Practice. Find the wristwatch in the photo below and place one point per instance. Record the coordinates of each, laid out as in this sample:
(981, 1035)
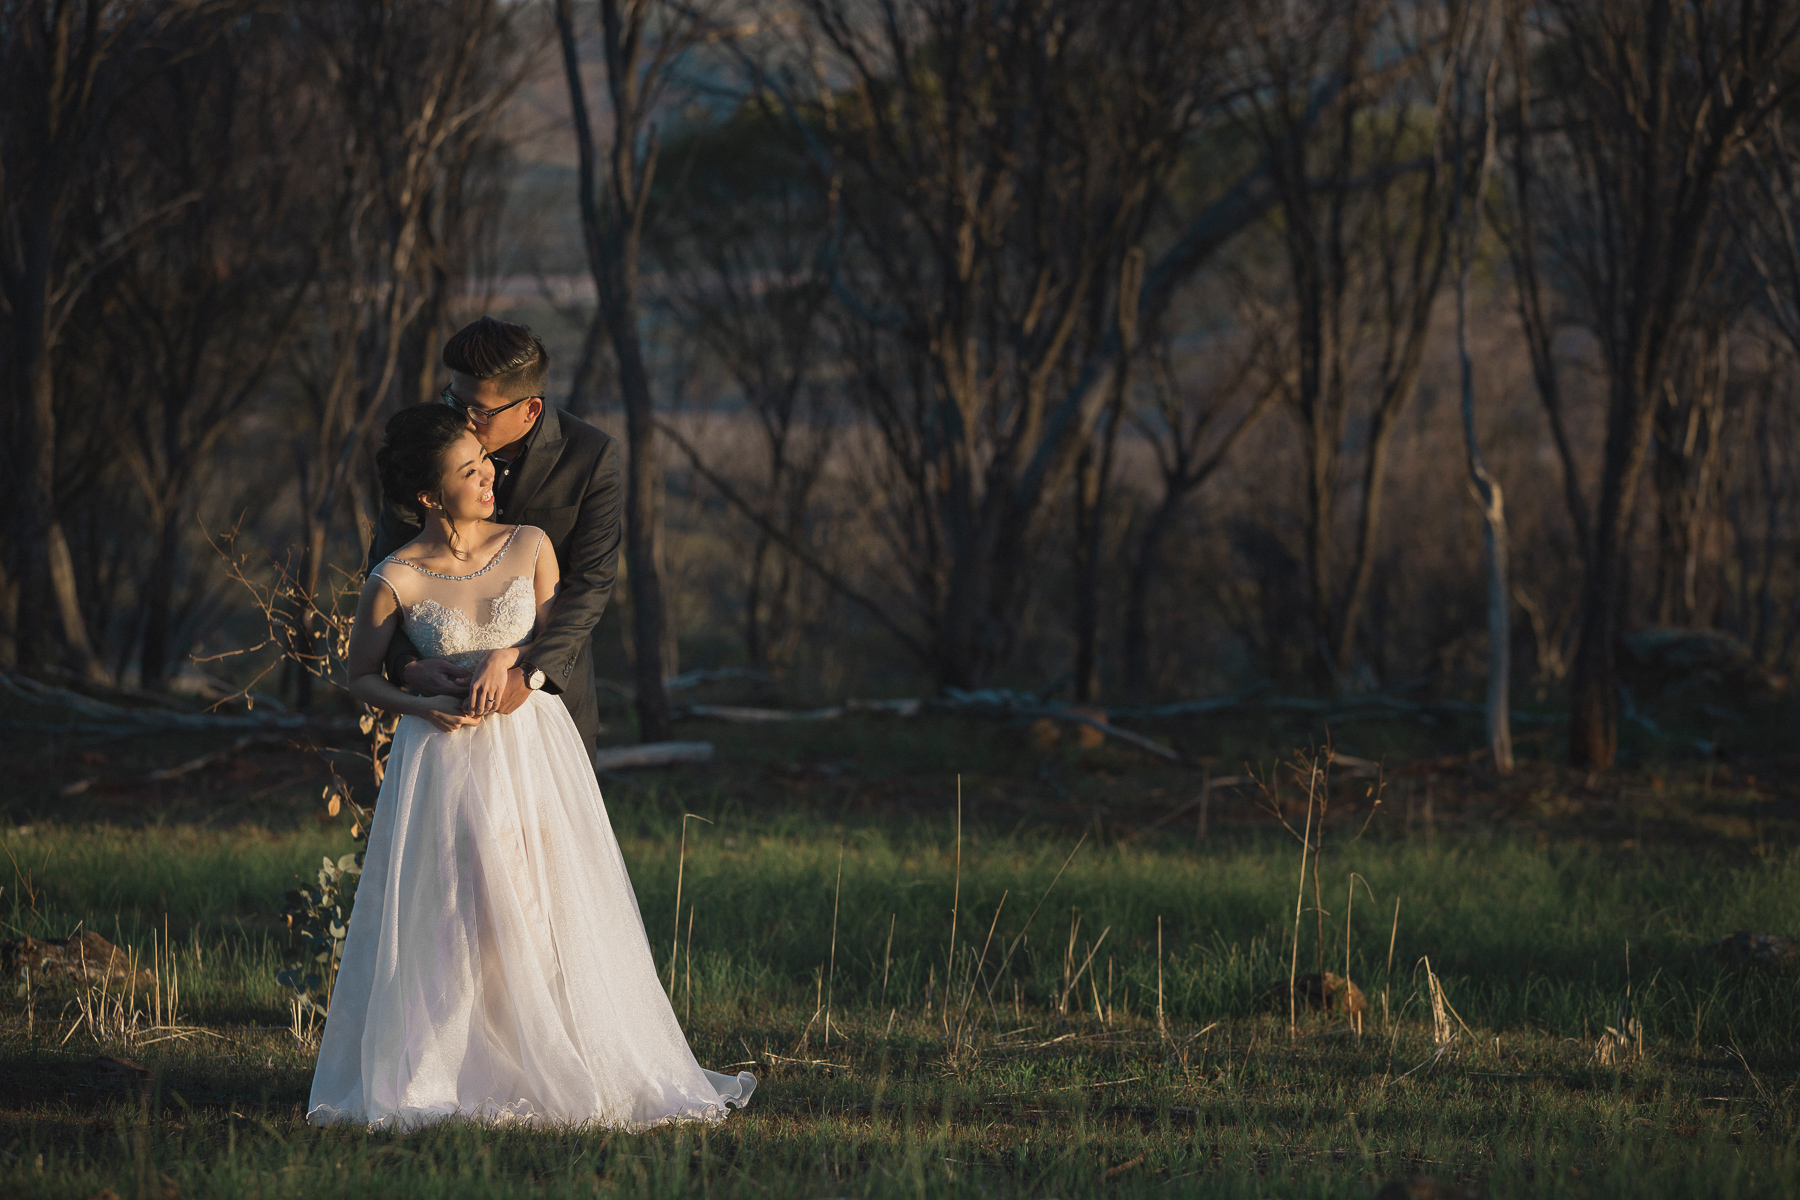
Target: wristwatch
(534, 677)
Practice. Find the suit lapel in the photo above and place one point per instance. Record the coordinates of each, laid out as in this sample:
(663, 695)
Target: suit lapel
(540, 460)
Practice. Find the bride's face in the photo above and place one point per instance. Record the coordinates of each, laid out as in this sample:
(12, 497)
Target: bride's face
(466, 491)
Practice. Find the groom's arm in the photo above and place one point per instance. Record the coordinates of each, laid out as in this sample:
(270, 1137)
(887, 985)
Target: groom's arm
(590, 567)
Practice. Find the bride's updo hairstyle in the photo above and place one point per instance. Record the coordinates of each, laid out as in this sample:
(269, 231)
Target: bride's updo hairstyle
(411, 458)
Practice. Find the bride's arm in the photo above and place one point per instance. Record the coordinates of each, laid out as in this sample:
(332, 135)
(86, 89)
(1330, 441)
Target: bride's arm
(377, 617)
(489, 686)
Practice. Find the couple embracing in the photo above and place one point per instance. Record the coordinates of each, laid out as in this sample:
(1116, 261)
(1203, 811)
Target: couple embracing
(496, 965)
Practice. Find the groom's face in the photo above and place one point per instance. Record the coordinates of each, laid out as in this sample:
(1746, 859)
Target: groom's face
(503, 428)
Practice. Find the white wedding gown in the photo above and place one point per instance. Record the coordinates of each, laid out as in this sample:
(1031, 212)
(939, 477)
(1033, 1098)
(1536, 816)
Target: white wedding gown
(496, 966)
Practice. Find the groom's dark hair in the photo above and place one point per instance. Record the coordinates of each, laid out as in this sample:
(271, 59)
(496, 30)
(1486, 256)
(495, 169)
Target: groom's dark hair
(510, 355)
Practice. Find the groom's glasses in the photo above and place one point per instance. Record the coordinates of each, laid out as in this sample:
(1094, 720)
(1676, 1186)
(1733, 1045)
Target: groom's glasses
(481, 416)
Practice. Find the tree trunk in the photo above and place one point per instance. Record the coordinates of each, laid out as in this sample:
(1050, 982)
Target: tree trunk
(1594, 702)
(1322, 438)
(1495, 544)
(1486, 488)
(1136, 649)
(1688, 444)
(1593, 706)
(38, 441)
(612, 237)
(68, 604)
(756, 651)
(1499, 688)
(958, 644)
(1362, 568)
(1087, 498)
(584, 387)
(647, 618)
(159, 589)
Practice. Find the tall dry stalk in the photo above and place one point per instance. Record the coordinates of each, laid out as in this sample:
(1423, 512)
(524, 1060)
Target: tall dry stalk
(831, 967)
(1020, 937)
(1442, 1011)
(1162, 1027)
(1387, 982)
(1062, 1004)
(1319, 903)
(1073, 980)
(1349, 907)
(962, 1017)
(1300, 901)
(956, 893)
(887, 956)
(1440, 1018)
(688, 984)
(680, 871)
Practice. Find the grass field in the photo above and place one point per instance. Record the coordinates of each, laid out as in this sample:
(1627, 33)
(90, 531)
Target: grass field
(1102, 1032)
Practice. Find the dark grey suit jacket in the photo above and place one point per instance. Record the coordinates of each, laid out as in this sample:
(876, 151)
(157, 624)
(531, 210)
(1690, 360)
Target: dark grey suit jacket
(569, 487)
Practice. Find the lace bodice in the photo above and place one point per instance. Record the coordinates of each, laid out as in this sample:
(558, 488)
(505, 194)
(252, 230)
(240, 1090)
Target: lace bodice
(462, 617)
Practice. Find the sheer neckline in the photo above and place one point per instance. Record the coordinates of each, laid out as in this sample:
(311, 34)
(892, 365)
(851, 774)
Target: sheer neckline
(491, 563)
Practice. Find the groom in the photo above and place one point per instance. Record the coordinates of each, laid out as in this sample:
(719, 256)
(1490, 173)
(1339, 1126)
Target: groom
(551, 470)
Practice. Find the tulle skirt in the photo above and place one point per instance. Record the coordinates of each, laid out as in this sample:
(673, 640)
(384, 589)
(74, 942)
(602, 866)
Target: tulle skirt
(496, 966)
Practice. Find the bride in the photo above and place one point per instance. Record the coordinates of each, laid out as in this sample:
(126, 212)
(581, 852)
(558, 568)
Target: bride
(496, 966)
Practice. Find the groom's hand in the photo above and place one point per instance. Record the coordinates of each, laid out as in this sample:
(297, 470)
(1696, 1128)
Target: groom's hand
(436, 677)
(517, 692)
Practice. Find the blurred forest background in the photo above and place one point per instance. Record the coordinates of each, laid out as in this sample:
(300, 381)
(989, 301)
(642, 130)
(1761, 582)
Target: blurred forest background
(1117, 352)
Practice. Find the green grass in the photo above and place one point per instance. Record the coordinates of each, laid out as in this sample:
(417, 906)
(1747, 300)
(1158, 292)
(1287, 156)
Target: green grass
(1537, 945)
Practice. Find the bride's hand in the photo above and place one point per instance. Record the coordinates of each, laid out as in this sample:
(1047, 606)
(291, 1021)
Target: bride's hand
(446, 713)
(488, 686)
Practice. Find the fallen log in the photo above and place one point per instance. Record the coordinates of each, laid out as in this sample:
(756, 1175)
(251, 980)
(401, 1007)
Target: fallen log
(1001, 702)
(1191, 708)
(686, 680)
(1112, 731)
(742, 715)
(906, 707)
(700, 675)
(992, 702)
(104, 717)
(651, 754)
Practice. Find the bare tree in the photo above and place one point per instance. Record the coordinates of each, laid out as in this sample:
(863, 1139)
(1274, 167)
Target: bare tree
(993, 164)
(1471, 27)
(641, 41)
(1647, 104)
(1364, 234)
(1092, 492)
(416, 85)
(741, 238)
(66, 69)
(198, 317)
(1192, 425)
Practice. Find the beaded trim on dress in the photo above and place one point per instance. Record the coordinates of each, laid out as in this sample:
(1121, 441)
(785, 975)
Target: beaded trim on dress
(500, 554)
